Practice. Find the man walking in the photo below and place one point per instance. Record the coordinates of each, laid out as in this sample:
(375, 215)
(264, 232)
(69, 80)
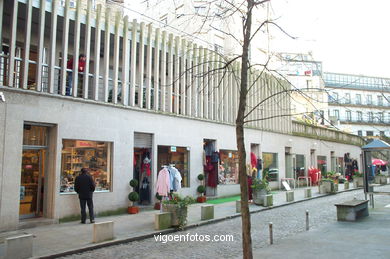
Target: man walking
(85, 186)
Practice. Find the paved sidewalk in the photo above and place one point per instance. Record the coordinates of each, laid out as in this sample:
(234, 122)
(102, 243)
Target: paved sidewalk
(366, 238)
(60, 239)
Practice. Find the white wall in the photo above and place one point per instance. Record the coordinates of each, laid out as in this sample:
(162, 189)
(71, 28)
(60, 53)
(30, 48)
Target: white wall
(79, 119)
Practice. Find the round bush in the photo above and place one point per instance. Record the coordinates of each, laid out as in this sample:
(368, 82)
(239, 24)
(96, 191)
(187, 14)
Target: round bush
(134, 183)
(200, 177)
(133, 196)
(201, 189)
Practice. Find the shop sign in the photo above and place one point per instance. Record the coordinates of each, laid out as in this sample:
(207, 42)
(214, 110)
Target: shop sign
(83, 143)
(173, 149)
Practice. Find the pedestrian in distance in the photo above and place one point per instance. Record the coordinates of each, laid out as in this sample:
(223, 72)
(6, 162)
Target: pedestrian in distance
(85, 186)
(69, 65)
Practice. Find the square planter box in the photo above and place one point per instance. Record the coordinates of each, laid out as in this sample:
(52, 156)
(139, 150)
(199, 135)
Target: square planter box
(176, 213)
(357, 182)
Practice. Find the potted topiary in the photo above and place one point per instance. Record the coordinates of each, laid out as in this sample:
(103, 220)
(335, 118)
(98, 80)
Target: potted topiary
(201, 190)
(133, 197)
(157, 205)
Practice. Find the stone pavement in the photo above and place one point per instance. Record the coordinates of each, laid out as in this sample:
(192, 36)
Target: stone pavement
(366, 238)
(67, 238)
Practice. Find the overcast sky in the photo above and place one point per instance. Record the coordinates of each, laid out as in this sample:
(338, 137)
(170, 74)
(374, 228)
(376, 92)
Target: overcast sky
(349, 36)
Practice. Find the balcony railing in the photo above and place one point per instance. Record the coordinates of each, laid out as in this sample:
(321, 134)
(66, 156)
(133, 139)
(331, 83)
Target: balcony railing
(316, 132)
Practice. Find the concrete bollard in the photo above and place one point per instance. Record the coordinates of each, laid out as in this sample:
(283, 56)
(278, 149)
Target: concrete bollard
(207, 212)
(162, 220)
(103, 231)
(238, 206)
(307, 192)
(19, 247)
(290, 196)
(268, 200)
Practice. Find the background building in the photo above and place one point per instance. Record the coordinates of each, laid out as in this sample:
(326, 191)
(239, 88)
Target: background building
(361, 104)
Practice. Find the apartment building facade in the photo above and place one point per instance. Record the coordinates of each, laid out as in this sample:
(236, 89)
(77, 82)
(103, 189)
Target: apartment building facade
(360, 103)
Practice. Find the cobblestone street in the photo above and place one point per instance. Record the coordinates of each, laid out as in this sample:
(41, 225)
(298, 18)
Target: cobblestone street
(287, 221)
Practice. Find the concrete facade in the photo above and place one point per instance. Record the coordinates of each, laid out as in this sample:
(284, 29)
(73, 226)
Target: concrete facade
(89, 120)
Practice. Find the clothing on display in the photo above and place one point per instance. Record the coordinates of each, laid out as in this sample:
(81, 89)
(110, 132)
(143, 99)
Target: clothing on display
(163, 182)
(253, 160)
(144, 192)
(211, 170)
(250, 182)
(145, 167)
(175, 178)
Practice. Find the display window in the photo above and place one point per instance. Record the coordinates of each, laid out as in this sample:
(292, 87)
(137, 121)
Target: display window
(177, 156)
(300, 165)
(271, 168)
(94, 155)
(228, 167)
(322, 164)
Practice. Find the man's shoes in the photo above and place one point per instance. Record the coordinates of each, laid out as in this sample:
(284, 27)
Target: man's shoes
(82, 222)
(92, 221)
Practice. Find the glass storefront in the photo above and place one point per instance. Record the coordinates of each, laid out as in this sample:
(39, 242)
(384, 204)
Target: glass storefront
(228, 167)
(300, 165)
(177, 156)
(322, 164)
(94, 155)
(270, 165)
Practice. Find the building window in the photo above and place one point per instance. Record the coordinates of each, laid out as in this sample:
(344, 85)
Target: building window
(335, 97)
(360, 133)
(359, 116)
(369, 133)
(382, 133)
(336, 114)
(369, 99)
(347, 98)
(94, 155)
(228, 168)
(380, 100)
(309, 84)
(381, 117)
(358, 99)
(200, 10)
(348, 115)
(177, 156)
(271, 169)
(370, 117)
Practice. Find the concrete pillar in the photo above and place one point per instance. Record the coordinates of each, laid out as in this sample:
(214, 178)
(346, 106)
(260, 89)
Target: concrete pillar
(162, 220)
(307, 192)
(19, 247)
(207, 212)
(268, 200)
(103, 231)
(290, 196)
(238, 206)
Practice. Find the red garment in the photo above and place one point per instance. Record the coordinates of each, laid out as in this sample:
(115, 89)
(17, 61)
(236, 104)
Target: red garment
(250, 182)
(69, 65)
(253, 160)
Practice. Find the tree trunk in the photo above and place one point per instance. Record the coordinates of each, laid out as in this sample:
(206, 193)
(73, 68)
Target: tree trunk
(245, 216)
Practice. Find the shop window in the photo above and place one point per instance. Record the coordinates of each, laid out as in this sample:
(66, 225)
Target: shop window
(228, 168)
(271, 169)
(94, 155)
(300, 165)
(321, 164)
(177, 156)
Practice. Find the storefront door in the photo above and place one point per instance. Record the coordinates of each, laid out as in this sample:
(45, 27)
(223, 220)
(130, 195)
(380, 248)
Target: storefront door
(32, 183)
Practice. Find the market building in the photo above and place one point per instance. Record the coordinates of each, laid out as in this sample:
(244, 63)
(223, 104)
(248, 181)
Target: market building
(126, 111)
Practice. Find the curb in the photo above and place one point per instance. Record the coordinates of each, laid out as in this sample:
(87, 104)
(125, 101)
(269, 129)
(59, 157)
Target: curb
(173, 230)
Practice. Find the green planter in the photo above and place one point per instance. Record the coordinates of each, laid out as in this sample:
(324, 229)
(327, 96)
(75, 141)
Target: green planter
(258, 196)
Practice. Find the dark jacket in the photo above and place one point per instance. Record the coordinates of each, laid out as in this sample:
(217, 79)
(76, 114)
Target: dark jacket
(84, 186)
